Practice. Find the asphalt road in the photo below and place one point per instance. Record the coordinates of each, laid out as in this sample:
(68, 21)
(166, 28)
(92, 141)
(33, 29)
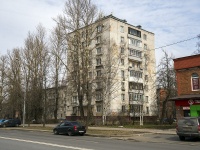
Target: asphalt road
(34, 140)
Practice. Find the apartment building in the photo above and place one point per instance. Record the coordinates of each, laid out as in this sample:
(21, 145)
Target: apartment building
(121, 69)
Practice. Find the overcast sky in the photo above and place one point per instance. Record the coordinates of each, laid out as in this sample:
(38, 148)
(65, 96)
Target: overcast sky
(170, 20)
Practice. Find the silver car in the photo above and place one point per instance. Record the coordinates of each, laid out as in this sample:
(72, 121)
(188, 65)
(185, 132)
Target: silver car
(188, 127)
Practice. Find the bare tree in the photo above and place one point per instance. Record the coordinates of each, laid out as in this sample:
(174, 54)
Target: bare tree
(34, 54)
(3, 83)
(58, 55)
(79, 16)
(166, 81)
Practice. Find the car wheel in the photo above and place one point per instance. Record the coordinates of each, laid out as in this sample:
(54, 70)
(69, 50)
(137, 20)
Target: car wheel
(82, 134)
(182, 138)
(55, 132)
(69, 133)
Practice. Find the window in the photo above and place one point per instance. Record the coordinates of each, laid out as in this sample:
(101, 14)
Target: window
(122, 62)
(74, 99)
(98, 85)
(133, 52)
(90, 63)
(83, 34)
(98, 61)
(90, 74)
(122, 73)
(99, 50)
(98, 96)
(122, 29)
(134, 32)
(99, 28)
(90, 53)
(131, 96)
(136, 74)
(195, 82)
(146, 87)
(144, 36)
(122, 39)
(147, 110)
(98, 40)
(135, 42)
(123, 108)
(99, 108)
(122, 50)
(135, 86)
(98, 73)
(146, 99)
(123, 97)
(145, 46)
(146, 77)
(135, 96)
(123, 85)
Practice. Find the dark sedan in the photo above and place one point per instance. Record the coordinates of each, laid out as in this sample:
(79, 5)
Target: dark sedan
(10, 122)
(70, 128)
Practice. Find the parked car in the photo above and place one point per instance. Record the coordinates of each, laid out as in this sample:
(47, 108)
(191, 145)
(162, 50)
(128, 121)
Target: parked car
(10, 123)
(188, 127)
(2, 122)
(70, 128)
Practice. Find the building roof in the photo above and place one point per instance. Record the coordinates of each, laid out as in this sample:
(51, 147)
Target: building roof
(186, 97)
(187, 62)
(124, 21)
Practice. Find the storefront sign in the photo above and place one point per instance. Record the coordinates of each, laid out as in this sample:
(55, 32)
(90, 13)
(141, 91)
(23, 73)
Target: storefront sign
(186, 108)
(190, 101)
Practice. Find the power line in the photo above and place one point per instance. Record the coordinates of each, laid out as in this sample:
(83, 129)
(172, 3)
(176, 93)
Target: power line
(198, 36)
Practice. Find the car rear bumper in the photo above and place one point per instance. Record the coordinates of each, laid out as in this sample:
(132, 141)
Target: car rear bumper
(188, 134)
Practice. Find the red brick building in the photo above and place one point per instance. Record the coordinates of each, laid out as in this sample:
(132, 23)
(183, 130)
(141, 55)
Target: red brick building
(188, 84)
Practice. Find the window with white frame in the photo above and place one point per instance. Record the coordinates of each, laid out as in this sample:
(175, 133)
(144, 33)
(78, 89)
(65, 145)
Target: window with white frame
(99, 28)
(135, 42)
(137, 74)
(133, 52)
(195, 82)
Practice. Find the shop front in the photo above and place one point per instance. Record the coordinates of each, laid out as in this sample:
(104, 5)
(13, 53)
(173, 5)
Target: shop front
(187, 105)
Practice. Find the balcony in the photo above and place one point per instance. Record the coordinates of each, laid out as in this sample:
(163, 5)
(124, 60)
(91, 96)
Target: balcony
(135, 58)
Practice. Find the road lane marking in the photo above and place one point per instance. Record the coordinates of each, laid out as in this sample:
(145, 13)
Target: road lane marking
(43, 143)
